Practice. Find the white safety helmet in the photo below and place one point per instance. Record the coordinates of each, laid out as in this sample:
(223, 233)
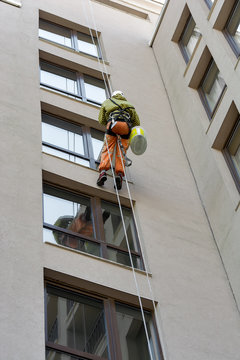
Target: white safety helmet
(117, 92)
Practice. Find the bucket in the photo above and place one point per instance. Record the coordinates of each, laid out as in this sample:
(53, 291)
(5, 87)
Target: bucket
(138, 141)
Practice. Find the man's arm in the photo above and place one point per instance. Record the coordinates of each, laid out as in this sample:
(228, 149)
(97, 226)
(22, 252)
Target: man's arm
(102, 116)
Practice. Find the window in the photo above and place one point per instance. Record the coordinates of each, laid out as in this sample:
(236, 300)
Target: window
(189, 38)
(80, 327)
(72, 83)
(72, 142)
(75, 40)
(211, 88)
(90, 225)
(232, 29)
(209, 3)
(232, 153)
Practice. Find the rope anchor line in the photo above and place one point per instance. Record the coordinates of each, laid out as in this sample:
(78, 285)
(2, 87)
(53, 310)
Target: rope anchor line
(108, 86)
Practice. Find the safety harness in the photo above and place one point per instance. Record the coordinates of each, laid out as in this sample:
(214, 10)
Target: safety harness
(119, 115)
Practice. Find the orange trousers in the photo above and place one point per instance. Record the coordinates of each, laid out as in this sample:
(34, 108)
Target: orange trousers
(110, 142)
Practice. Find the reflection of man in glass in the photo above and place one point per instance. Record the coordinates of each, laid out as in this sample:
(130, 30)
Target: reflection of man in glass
(81, 224)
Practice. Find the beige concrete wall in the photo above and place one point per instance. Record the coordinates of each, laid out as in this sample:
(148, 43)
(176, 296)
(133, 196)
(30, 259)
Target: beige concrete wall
(21, 272)
(199, 319)
(217, 189)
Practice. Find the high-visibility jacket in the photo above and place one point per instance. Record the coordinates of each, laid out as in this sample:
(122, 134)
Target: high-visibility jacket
(108, 106)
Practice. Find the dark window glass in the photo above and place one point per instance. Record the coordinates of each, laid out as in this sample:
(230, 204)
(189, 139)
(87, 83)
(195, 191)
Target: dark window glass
(189, 38)
(59, 78)
(55, 33)
(212, 87)
(94, 89)
(80, 327)
(68, 221)
(78, 41)
(232, 153)
(72, 83)
(70, 141)
(233, 28)
(88, 44)
(132, 334)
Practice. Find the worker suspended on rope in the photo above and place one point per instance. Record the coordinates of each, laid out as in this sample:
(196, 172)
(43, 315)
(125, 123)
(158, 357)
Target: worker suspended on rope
(119, 116)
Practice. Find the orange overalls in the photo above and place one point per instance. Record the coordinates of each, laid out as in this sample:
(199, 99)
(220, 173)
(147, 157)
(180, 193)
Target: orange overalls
(120, 128)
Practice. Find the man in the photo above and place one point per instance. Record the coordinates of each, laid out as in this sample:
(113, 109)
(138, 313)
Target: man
(119, 116)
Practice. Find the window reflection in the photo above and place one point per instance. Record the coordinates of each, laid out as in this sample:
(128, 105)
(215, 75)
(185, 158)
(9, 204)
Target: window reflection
(70, 141)
(97, 143)
(213, 86)
(189, 38)
(68, 211)
(113, 227)
(233, 148)
(132, 334)
(95, 89)
(55, 33)
(233, 27)
(87, 44)
(78, 41)
(77, 322)
(59, 78)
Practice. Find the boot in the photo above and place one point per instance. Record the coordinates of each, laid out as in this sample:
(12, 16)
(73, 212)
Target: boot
(118, 179)
(102, 178)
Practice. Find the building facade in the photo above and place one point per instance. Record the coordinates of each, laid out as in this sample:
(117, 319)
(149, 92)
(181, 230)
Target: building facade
(156, 276)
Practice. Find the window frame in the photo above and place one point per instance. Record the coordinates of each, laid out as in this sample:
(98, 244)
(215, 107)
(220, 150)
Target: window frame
(98, 227)
(228, 158)
(182, 47)
(203, 98)
(228, 36)
(74, 39)
(87, 141)
(110, 317)
(81, 94)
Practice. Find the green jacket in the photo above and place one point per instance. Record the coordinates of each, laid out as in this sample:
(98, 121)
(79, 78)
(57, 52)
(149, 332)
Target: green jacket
(108, 106)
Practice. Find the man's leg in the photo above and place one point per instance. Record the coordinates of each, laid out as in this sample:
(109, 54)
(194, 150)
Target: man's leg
(120, 161)
(105, 164)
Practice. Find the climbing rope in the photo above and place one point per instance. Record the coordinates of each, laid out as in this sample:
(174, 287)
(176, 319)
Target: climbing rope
(103, 70)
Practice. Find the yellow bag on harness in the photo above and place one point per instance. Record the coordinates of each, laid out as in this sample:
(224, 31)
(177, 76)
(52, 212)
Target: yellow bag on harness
(138, 140)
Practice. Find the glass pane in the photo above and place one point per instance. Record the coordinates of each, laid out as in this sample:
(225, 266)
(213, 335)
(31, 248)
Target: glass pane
(63, 155)
(55, 33)
(113, 227)
(190, 37)
(87, 45)
(95, 89)
(132, 334)
(62, 134)
(123, 258)
(58, 78)
(73, 242)
(77, 322)
(68, 211)
(234, 148)
(233, 26)
(97, 143)
(213, 86)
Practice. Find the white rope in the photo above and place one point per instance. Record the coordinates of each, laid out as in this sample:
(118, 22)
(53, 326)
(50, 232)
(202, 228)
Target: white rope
(130, 255)
(144, 260)
(115, 185)
(104, 75)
